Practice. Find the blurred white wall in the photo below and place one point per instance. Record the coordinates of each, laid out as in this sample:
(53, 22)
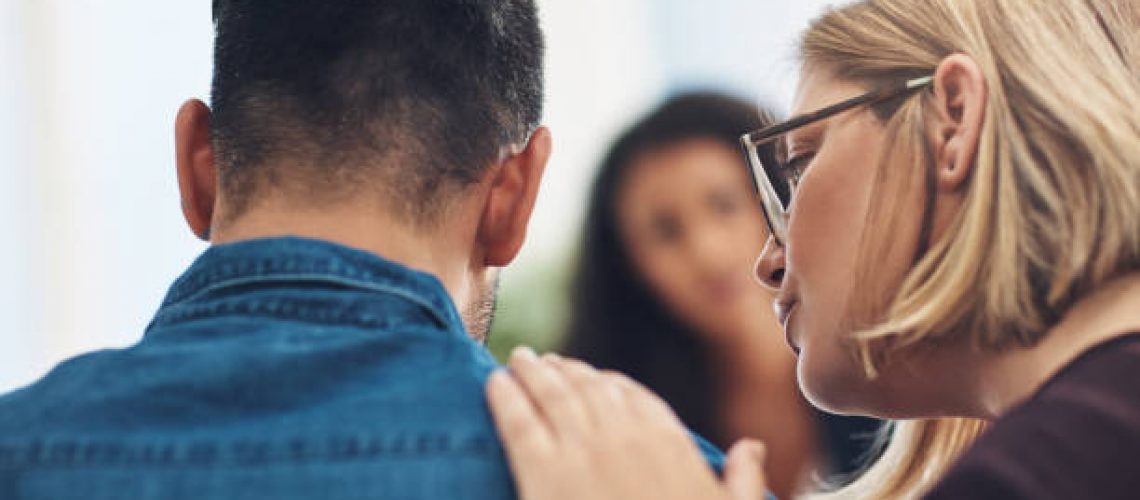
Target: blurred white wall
(92, 232)
(602, 69)
(746, 47)
(91, 223)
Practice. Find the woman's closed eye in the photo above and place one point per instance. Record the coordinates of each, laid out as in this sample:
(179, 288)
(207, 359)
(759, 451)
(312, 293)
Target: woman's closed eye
(726, 202)
(665, 229)
(794, 168)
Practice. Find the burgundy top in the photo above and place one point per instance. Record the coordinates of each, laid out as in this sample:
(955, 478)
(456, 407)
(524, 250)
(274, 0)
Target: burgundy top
(1078, 437)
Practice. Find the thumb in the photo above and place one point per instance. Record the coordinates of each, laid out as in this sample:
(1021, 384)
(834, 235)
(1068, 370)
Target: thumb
(744, 471)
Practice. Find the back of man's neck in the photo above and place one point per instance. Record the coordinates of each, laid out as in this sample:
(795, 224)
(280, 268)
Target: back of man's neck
(356, 227)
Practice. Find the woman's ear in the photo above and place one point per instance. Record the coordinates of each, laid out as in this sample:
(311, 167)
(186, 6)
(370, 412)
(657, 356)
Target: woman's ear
(197, 172)
(959, 112)
(510, 201)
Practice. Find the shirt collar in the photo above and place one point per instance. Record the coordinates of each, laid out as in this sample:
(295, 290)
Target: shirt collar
(296, 259)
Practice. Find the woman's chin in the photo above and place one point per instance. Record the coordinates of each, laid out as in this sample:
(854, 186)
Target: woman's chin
(835, 387)
(850, 392)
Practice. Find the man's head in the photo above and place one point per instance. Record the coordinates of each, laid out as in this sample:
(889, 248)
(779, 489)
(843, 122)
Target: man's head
(421, 114)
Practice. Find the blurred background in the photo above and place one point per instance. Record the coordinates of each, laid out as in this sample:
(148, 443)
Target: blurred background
(89, 211)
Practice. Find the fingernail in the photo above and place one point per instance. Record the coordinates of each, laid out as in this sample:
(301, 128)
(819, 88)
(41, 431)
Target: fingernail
(738, 453)
(524, 352)
(755, 451)
(497, 377)
(550, 356)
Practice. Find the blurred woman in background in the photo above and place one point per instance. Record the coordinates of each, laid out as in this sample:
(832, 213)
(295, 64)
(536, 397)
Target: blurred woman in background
(663, 290)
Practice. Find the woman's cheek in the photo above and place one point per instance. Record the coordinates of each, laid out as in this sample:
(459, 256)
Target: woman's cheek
(825, 231)
(668, 279)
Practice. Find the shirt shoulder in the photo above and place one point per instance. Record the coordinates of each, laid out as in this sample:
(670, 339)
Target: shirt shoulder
(1078, 437)
(343, 414)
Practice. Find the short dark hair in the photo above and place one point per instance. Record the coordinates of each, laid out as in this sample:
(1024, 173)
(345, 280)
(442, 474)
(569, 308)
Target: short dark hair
(324, 96)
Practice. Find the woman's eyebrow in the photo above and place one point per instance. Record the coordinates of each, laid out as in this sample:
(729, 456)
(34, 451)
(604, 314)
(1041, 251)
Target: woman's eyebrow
(807, 135)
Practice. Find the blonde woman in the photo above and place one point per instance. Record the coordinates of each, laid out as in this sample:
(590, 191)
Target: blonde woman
(957, 248)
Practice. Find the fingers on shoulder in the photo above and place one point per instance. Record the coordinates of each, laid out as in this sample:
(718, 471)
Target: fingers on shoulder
(557, 399)
(744, 470)
(524, 432)
(644, 403)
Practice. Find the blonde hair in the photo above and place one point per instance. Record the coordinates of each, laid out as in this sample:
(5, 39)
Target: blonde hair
(1053, 205)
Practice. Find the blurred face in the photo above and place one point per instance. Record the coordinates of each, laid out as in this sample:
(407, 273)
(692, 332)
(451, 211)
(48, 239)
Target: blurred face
(828, 220)
(689, 220)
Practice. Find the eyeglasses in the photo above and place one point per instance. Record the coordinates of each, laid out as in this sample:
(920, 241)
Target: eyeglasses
(775, 177)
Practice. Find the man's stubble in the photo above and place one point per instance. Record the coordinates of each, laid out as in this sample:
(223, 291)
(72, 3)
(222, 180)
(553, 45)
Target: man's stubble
(479, 314)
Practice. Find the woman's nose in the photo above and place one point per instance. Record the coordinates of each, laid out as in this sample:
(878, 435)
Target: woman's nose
(770, 265)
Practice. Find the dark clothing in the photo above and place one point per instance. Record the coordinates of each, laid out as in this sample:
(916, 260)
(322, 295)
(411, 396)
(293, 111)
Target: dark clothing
(847, 443)
(1078, 437)
(279, 368)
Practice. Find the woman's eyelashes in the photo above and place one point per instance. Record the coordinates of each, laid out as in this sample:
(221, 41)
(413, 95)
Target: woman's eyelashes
(795, 167)
(800, 150)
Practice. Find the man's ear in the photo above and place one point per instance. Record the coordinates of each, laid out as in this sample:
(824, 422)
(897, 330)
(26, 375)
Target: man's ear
(959, 113)
(197, 173)
(510, 200)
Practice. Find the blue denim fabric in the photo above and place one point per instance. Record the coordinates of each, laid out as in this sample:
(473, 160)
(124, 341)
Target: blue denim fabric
(278, 368)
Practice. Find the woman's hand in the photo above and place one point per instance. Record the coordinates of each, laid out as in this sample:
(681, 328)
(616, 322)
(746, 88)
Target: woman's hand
(572, 432)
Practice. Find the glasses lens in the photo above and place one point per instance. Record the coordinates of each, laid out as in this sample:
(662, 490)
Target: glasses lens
(773, 165)
(777, 170)
(773, 189)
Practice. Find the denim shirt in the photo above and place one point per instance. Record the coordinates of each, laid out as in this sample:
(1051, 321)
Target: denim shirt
(279, 368)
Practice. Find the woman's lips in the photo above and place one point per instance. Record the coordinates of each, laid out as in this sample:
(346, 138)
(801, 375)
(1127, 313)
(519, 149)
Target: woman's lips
(784, 309)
